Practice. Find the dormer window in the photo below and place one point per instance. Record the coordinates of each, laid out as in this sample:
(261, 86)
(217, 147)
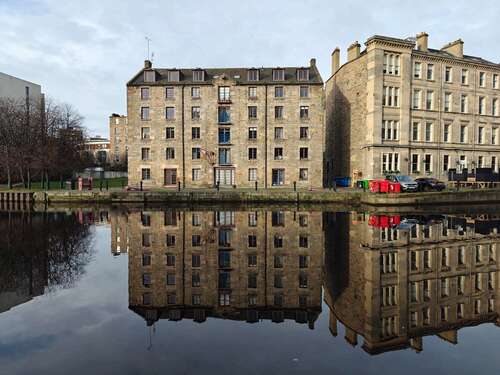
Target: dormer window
(198, 75)
(149, 76)
(278, 74)
(173, 76)
(303, 74)
(253, 74)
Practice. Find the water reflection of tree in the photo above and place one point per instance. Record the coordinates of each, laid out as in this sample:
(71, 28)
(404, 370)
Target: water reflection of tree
(42, 250)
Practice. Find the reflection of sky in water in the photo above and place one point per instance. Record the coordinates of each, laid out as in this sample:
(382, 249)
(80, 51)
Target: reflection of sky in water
(89, 329)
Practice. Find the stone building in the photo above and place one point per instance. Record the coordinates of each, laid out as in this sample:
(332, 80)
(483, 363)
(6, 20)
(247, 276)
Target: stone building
(400, 106)
(99, 148)
(394, 285)
(240, 265)
(203, 127)
(118, 139)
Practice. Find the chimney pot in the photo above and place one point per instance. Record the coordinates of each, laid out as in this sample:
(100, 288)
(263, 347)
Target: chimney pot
(313, 62)
(147, 64)
(353, 51)
(422, 41)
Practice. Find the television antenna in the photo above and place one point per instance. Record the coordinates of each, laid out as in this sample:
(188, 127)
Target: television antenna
(148, 41)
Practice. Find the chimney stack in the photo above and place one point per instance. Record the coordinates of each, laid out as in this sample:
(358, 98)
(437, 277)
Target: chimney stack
(147, 64)
(422, 41)
(353, 51)
(335, 60)
(455, 48)
(312, 62)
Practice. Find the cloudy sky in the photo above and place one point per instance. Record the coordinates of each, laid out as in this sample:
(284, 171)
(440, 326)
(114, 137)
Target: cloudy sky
(84, 52)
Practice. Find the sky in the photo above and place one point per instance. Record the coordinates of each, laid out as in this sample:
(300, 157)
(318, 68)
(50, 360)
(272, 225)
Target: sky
(84, 52)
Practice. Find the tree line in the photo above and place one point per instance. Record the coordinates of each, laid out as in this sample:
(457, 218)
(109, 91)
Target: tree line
(40, 140)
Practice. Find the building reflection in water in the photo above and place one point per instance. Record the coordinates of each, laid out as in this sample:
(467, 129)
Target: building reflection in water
(245, 266)
(393, 280)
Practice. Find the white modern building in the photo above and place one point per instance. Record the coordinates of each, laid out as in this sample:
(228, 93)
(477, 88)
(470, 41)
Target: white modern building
(16, 88)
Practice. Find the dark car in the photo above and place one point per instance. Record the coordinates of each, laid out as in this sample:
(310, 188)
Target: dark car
(429, 183)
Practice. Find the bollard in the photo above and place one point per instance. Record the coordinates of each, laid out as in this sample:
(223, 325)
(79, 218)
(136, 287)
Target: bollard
(255, 185)
(335, 186)
(141, 185)
(107, 185)
(178, 186)
(218, 185)
(295, 186)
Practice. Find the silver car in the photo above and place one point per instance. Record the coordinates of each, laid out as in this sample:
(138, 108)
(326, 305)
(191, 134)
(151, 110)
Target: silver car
(407, 183)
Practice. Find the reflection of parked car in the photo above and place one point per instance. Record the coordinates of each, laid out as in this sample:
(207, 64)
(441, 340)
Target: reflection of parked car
(429, 183)
(407, 183)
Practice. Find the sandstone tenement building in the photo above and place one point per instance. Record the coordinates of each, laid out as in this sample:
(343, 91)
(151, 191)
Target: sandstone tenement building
(400, 106)
(228, 127)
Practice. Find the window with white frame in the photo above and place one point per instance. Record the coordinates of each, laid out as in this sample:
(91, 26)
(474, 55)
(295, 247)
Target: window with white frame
(494, 107)
(417, 70)
(389, 295)
(429, 131)
(447, 133)
(391, 96)
(463, 134)
(415, 131)
(448, 100)
(415, 162)
(390, 130)
(416, 99)
(196, 174)
(391, 63)
(480, 134)
(252, 92)
(446, 163)
(430, 72)
(482, 105)
(465, 77)
(390, 162)
(482, 79)
(388, 262)
(252, 174)
(253, 75)
(495, 83)
(494, 136)
(429, 103)
(428, 163)
(198, 75)
(448, 74)
(278, 74)
(464, 103)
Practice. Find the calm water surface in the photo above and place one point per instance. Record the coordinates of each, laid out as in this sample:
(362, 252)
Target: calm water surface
(267, 290)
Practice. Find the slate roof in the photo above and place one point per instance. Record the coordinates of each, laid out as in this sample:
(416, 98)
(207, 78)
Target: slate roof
(239, 75)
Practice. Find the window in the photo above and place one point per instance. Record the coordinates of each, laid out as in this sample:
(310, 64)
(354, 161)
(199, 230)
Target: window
(224, 258)
(390, 130)
(147, 298)
(415, 127)
(252, 260)
(427, 259)
(224, 93)
(169, 133)
(253, 74)
(195, 279)
(195, 113)
(446, 133)
(494, 163)
(195, 240)
(146, 280)
(146, 239)
(224, 135)
(145, 153)
(146, 174)
(302, 280)
(149, 76)
(252, 280)
(494, 136)
(390, 162)
(480, 161)
(430, 72)
(304, 132)
(278, 112)
(224, 115)
(447, 101)
(169, 93)
(303, 240)
(463, 133)
(146, 260)
(195, 153)
(252, 112)
(391, 64)
(445, 287)
(173, 76)
(482, 105)
(195, 92)
(170, 176)
(304, 91)
(252, 174)
(252, 240)
(482, 79)
(196, 174)
(144, 113)
(303, 74)
(170, 278)
(278, 153)
(195, 220)
(252, 133)
(252, 92)
(252, 153)
(428, 131)
(480, 135)
(429, 103)
(170, 113)
(303, 220)
(303, 174)
(195, 133)
(494, 107)
(391, 96)
(388, 295)
(278, 133)
(388, 262)
(464, 104)
(465, 77)
(169, 153)
(304, 112)
(446, 163)
(417, 70)
(278, 260)
(170, 240)
(428, 163)
(303, 261)
(304, 153)
(414, 163)
(224, 156)
(278, 92)
(144, 93)
(448, 74)
(416, 99)
(278, 176)
(170, 218)
(198, 75)
(278, 74)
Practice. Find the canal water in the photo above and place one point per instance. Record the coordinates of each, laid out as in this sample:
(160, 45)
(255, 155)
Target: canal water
(279, 290)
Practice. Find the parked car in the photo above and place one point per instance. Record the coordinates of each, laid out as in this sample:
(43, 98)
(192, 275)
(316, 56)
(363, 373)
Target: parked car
(407, 183)
(429, 183)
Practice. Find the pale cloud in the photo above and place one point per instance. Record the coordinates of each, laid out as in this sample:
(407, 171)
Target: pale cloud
(84, 52)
